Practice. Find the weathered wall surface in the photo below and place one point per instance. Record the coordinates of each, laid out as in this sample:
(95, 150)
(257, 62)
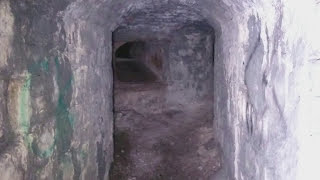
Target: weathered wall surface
(6, 38)
(49, 126)
(186, 72)
(56, 83)
(269, 140)
(191, 65)
(308, 126)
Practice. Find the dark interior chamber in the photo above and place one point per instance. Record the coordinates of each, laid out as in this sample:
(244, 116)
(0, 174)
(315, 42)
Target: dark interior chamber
(163, 98)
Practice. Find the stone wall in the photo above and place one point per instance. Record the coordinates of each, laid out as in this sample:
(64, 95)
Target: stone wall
(191, 65)
(56, 86)
(186, 74)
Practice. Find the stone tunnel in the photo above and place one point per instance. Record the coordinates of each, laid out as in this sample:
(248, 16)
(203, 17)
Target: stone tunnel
(159, 90)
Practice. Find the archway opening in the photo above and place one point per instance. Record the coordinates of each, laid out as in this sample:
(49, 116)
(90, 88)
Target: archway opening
(129, 64)
(163, 121)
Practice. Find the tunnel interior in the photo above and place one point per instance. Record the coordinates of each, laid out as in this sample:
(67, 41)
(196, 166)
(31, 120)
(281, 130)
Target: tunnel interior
(67, 95)
(163, 96)
(129, 66)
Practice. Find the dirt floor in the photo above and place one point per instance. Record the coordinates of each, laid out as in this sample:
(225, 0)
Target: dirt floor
(172, 144)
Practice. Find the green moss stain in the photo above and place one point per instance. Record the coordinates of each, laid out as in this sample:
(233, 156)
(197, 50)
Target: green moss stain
(41, 65)
(64, 119)
(24, 105)
(44, 65)
(24, 114)
(83, 155)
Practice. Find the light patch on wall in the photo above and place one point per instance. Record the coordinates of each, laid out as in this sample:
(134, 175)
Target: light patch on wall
(46, 144)
(6, 32)
(2, 85)
(67, 167)
(19, 105)
(8, 171)
(79, 74)
(309, 125)
(24, 112)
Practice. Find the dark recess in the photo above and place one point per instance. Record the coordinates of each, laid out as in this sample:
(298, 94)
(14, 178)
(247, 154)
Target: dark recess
(129, 67)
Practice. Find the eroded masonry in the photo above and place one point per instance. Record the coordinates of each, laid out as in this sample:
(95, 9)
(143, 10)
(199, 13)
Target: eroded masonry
(161, 89)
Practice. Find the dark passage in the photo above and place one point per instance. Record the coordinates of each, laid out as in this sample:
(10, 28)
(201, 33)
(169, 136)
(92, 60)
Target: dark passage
(133, 71)
(163, 98)
(130, 50)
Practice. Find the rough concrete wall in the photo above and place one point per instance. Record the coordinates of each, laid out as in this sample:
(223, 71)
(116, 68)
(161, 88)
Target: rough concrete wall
(6, 32)
(290, 49)
(6, 38)
(185, 73)
(307, 83)
(268, 96)
(190, 63)
(91, 63)
(156, 58)
(255, 111)
(50, 129)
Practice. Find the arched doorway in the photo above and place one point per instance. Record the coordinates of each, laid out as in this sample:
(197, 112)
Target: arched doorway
(163, 97)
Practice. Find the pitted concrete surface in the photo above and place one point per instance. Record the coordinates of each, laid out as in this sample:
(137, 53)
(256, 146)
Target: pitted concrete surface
(174, 144)
(56, 83)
